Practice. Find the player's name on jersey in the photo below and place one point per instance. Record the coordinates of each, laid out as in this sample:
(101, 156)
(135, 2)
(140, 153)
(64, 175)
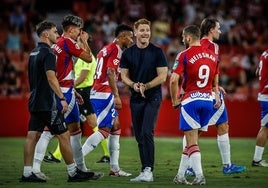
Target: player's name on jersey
(56, 48)
(202, 55)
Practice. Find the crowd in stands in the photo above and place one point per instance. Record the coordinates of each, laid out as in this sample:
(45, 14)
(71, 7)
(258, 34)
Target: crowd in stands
(244, 26)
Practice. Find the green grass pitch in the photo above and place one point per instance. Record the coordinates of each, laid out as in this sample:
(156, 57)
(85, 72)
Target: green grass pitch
(167, 157)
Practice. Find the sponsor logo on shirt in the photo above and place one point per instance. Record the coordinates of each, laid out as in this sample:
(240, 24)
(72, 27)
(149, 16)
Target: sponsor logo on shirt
(200, 95)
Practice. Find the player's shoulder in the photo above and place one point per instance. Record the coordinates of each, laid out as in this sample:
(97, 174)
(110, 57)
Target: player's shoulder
(45, 50)
(181, 54)
(154, 47)
(206, 43)
(264, 54)
(107, 50)
(63, 41)
(130, 49)
(113, 47)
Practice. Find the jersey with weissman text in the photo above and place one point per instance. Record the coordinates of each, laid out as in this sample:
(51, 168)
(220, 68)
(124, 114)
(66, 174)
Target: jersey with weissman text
(198, 66)
(263, 76)
(65, 49)
(109, 56)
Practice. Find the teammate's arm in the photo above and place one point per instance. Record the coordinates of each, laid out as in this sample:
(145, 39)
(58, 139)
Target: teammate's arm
(55, 86)
(111, 73)
(81, 78)
(174, 89)
(86, 55)
(216, 90)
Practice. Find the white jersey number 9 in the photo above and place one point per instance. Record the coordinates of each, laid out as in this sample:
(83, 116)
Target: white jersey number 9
(203, 74)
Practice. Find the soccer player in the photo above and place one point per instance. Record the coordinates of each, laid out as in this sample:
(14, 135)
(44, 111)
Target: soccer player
(195, 70)
(105, 98)
(263, 99)
(45, 90)
(65, 49)
(84, 78)
(144, 69)
(210, 30)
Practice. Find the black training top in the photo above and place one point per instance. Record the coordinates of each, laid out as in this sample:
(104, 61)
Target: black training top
(42, 97)
(142, 64)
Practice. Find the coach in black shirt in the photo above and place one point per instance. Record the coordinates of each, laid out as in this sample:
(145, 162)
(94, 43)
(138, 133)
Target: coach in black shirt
(144, 69)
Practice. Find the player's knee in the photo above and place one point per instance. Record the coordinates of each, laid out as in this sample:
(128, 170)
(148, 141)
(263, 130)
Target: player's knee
(47, 135)
(64, 137)
(74, 128)
(115, 131)
(222, 128)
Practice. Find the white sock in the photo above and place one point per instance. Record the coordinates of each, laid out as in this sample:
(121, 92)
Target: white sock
(71, 169)
(91, 143)
(195, 160)
(224, 147)
(114, 150)
(77, 151)
(40, 150)
(27, 171)
(258, 153)
(184, 164)
(184, 142)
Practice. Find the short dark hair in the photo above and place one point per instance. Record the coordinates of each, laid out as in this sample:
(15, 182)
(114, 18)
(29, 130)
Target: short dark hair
(44, 25)
(121, 28)
(72, 20)
(207, 24)
(192, 30)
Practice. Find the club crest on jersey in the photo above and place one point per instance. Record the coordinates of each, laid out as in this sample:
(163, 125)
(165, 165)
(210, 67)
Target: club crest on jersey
(77, 46)
(116, 61)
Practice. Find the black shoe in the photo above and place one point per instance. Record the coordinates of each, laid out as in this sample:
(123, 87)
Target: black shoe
(104, 159)
(92, 175)
(32, 178)
(79, 176)
(51, 159)
(95, 175)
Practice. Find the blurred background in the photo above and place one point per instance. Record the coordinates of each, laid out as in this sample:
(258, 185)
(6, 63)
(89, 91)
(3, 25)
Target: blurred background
(243, 24)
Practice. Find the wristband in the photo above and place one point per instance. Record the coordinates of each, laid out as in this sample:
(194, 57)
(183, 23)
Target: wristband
(62, 99)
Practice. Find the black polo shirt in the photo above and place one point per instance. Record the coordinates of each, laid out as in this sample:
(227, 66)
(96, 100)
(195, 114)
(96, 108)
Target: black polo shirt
(42, 97)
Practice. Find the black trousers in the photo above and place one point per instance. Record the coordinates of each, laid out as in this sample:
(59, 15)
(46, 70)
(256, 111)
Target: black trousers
(144, 115)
